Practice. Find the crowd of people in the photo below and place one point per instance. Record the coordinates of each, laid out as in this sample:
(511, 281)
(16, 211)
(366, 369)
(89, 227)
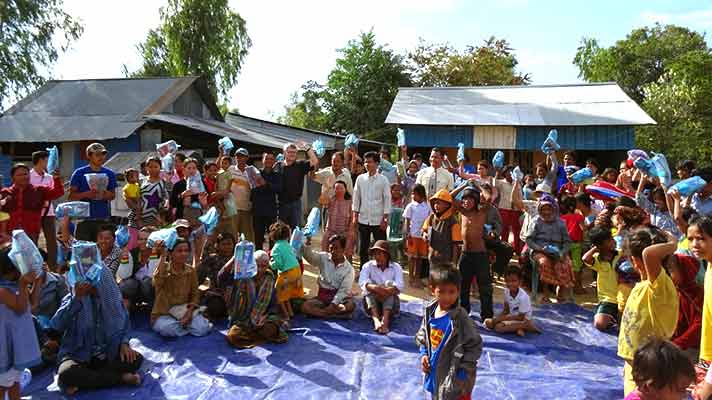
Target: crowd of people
(646, 242)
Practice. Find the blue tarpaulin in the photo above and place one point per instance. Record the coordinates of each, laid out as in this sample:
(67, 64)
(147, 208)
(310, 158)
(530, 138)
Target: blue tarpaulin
(347, 360)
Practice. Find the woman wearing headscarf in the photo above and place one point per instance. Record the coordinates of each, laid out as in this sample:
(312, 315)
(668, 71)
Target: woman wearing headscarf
(549, 242)
(95, 351)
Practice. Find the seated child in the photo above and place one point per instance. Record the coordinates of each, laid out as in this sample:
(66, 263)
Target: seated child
(517, 314)
(415, 214)
(602, 258)
(289, 279)
(381, 281)
(448, 359)
(661, 371)
(652, 307)
(19, 348)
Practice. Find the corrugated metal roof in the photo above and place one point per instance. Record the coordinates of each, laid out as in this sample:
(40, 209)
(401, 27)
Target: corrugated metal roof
(287, 133)
(572, 105)
(220, 129)
(93, 109)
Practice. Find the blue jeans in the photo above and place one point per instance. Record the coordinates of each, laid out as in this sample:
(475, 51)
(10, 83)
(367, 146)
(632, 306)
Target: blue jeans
(291, 213)
(168, 326)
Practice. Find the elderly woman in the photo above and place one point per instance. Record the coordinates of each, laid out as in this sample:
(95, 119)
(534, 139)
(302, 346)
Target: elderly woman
(549, 241)
(95, 351)
(250, 302)
(25, 202)
(175, 309)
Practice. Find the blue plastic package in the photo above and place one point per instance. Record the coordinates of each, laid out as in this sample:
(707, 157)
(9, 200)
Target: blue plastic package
(167, 162)
(662, 169)
(400, 137)
(168, 236)
(280, 157)
(517, 174)
(85, 265)
(52, 160)
(351, 140)
(460, 152)
(210, 219)
(637, 153)
(550, 144)
(581, 175)
(98, 182)
(226, 145)
(645, 165)
(386, 166)
(75, 209)
(689, 186)
(169, 147)
(552, 250)
(498, 159)
(318, 147)
(297, 241)
(195, 184)
(24, 253)
(62, 254)
(313, 222)
(122, 236)
(244, 255)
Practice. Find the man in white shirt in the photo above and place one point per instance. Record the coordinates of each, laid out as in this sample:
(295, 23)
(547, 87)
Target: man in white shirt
(381, 281)
(435, 177)
(40, 177)
(371, 204)
(336, 277)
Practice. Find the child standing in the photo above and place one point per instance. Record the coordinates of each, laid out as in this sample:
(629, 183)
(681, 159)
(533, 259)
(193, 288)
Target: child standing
(132, 197)
(652, 307)
(699, 234)
(441, 230)
(339, 221)
(602, 258)
(450, 344)
(19, 348)
(575, 226)
(661, 371)
(397, 195)
(517, 314)
(282, 259)
(415, 214)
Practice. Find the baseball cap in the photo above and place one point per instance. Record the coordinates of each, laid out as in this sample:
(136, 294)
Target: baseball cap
(96, 148)
(242, 152)
(181, 223)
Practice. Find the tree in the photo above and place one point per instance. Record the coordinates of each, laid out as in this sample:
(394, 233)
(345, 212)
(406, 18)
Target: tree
(641, 58)
(492, 63)
(32, 34)
(357, 95)
(306, 110)
(197, 37)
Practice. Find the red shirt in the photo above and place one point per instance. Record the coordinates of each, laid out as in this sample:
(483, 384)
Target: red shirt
(573, 225)
(25, 206)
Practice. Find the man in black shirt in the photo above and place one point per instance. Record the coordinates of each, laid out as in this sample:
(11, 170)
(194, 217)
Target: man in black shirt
(264, 199)
(293, 173)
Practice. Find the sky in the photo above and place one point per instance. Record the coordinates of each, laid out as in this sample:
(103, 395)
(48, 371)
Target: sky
(297, 41)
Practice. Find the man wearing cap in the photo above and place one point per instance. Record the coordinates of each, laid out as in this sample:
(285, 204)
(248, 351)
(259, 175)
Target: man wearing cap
(244, 179)
(99, 200)
(293, 172)
(435, 177)
(381, 281)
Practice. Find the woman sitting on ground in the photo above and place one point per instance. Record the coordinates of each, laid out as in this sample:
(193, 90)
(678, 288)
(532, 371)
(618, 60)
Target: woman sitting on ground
(175, 310)
(95, 351)
(250, 305)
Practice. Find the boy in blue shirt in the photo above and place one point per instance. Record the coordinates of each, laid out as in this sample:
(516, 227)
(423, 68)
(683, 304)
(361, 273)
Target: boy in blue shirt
(450, 344)
(99, 200)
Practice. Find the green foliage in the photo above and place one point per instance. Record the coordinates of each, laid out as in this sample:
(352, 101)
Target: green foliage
(32, 34)
(666, 69)
(197, 37)
(357, 95)
(492, 63)
(641, 58)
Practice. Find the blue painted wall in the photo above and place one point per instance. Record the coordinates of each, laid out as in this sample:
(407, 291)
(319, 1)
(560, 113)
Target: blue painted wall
(5, 167)
(128, 144)
(441, 136)
(578, 137)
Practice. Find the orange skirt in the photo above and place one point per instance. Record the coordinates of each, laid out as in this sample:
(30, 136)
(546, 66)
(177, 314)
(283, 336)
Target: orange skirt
(560, 273)
(289, 285)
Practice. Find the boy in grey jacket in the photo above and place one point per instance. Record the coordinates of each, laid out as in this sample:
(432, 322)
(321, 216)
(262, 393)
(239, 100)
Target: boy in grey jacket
(449, 341)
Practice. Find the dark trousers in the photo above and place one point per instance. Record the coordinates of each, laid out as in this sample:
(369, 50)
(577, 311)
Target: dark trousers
(261, 225)
(364, 233)
(96, 373)
(50, 234)
(291, 213)
(89, 228)
(476, 264)
(503, 254)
